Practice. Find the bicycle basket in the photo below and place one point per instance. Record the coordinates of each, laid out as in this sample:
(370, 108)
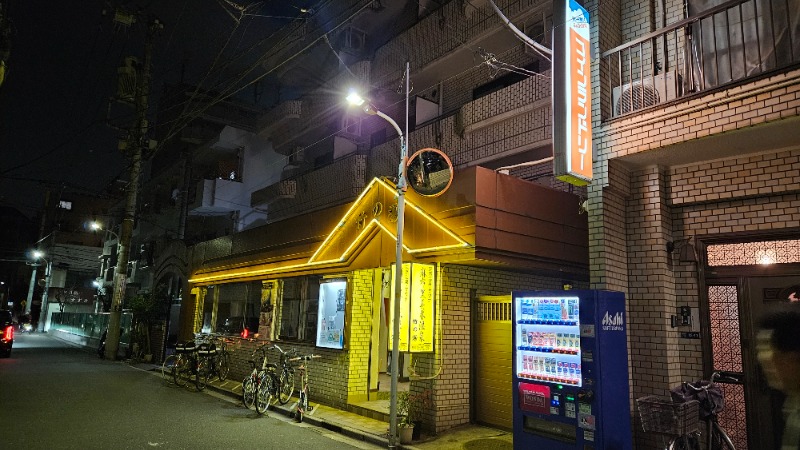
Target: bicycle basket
(186, 347)
(207, 349)
(661, 415)
(707, 393)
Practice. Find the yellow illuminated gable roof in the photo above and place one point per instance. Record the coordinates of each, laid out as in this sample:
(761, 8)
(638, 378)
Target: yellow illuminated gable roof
(373, 212)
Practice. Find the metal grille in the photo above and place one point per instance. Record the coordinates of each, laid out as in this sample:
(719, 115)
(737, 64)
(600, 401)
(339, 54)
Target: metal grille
(733, 418)
(726, 344)
(726, 349)
(752, 253)
(494, 311)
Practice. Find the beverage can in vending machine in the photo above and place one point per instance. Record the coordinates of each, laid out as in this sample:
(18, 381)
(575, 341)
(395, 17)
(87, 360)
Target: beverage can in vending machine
(523, 341)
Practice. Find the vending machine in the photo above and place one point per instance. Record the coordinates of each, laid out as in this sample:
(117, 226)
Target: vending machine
(570, 370)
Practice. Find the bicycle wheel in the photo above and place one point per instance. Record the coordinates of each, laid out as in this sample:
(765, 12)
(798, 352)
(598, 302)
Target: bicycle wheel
(179, 371)
(201, 374)
(684, 443)
(720, 439)
(223, 366)
(264, 393)
(249, 392)
(167, 368)
(286, 387)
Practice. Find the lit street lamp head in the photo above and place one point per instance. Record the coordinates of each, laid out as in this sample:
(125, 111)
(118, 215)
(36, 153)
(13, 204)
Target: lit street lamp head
(357, 100)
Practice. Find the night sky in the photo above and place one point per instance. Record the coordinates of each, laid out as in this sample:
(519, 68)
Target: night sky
(62, 71)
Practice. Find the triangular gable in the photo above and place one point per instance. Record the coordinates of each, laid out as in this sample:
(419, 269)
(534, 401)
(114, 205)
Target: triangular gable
(374, 212)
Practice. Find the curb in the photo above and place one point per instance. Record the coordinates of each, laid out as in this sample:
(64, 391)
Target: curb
(345, 430)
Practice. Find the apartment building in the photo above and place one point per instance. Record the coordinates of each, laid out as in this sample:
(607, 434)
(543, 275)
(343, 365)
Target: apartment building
(694, 211)
(299, 250)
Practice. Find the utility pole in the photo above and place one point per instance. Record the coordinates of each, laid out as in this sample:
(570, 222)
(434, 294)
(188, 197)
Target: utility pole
(135, 142)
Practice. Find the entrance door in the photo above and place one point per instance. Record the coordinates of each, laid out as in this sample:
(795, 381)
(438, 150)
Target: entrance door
(735, 305)
(492, 365)
(765, 411)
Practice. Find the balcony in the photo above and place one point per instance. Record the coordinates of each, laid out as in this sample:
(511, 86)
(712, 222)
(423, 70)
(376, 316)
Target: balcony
(280, 190)
(216, 197)
(279, 118)
(330, 185)
(520, 98)
(725, 45)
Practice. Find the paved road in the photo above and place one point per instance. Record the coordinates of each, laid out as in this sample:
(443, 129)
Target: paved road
(55, 396)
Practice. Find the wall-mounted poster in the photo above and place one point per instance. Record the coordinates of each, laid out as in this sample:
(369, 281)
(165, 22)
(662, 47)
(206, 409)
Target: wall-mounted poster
(416, 308)
(330, 320)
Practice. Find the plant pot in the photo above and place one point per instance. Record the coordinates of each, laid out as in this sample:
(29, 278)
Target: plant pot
(406, 433)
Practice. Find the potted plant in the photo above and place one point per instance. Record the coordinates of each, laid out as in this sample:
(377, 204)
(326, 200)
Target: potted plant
(405, 427)
(410, 407)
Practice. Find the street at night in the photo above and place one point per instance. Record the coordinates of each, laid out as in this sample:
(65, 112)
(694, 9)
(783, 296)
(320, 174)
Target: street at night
(56, 396)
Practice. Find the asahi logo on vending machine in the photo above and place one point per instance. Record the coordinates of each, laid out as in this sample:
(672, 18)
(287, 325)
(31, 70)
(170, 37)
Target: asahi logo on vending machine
(613, 323)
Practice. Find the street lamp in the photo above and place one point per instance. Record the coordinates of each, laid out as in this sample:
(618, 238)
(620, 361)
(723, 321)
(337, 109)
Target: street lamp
(97, 226)
(355, 99)
(36, 255)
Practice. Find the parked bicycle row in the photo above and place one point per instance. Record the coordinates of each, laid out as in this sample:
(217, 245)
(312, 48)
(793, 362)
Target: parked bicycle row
(207, 357)
(270, 383)
(198, 361)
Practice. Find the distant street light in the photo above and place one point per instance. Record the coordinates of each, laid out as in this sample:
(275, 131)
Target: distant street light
(37, 255)
(354, 99)
(97, 226)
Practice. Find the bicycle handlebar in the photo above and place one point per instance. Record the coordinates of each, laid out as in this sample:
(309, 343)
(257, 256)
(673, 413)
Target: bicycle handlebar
(305, 357)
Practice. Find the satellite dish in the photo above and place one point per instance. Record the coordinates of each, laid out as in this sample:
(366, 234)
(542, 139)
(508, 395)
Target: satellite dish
(429, 172)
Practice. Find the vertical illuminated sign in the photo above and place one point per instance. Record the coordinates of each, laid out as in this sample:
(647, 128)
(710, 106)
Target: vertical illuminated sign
(416, 308)
(422, 308)
(572, 94)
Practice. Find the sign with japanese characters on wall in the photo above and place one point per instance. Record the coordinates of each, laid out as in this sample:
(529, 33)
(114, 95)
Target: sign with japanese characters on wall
(417, 308)
(572, 94)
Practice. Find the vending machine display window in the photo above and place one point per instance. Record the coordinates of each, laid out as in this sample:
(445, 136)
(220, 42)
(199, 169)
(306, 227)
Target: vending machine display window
(549, 345)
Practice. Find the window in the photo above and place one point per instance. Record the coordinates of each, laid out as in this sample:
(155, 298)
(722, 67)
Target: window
(230, 308)
(238, 306)
(298, 310)
(64, 204)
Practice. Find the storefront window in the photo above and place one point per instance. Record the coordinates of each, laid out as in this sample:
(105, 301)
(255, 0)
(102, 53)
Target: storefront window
(238, 306)
(298, 313)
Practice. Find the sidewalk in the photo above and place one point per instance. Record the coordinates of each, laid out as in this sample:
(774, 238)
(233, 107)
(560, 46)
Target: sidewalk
(354, 426)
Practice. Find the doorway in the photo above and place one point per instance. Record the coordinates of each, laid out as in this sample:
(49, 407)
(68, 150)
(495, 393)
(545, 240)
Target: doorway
(735, 298)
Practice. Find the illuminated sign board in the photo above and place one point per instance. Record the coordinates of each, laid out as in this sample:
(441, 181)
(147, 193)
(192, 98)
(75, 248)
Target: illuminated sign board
(572, 94)
(416, 308)
(330, 320)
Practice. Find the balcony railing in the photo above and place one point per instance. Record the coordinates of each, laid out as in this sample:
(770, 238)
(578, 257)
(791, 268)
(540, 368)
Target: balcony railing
(722, 45)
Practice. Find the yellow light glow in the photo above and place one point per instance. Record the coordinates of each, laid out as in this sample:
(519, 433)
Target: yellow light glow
(312, 262)
(343, 220)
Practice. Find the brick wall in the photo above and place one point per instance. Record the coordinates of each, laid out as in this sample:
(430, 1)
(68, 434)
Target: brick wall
(451, 365)
(360, 337)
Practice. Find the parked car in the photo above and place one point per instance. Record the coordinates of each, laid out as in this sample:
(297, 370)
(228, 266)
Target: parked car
(6, 333)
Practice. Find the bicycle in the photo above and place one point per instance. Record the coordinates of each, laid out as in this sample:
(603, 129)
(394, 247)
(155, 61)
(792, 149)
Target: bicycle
(167, 368)
(258, 387)
(285, 377)
(678, 418)
(187, 365)
(214, 357)
(302, 404)
(711, 403)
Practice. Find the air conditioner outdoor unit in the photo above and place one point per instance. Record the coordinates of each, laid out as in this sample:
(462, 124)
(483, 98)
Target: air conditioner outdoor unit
(297, 156)
(644, 93)
(350, 126)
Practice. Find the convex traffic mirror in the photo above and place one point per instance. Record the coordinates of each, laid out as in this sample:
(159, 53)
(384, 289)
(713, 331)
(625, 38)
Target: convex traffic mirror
(429, 172)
